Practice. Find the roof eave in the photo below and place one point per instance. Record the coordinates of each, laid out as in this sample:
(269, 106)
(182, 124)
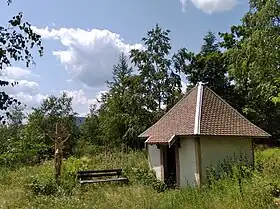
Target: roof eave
(260, 137)
(243, 136)
(200, 135)
(142, 136)
(170, 142)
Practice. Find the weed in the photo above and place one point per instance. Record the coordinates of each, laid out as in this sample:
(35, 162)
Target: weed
(33, 186)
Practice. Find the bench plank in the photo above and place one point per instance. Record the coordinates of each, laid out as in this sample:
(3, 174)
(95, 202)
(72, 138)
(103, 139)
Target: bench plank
(85, 176)
(100, 171)
(97, 174)
(103, 180)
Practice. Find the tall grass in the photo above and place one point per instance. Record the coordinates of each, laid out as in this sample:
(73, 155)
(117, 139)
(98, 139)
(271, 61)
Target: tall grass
(18, 187)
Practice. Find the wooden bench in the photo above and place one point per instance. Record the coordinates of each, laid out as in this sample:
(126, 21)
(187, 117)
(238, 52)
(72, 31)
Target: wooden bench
(86, 177)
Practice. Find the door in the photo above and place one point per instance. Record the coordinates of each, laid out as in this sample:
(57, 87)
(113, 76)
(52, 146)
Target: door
(169, 165)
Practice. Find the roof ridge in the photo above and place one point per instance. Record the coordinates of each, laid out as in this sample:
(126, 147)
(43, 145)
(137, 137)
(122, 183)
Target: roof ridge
(168, 112)
(220, 98)
(199, 100)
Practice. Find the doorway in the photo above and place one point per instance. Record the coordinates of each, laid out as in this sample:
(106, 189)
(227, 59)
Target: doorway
(169, 165)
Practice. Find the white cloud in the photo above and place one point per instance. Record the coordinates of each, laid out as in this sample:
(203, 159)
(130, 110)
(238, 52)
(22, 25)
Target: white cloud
(211, 6)
(184, 87)
(26, 91)
(22, 77)
(30, 87)
(69, 80)
(89, 54)
(79, 97)
(81, 102)
(16, 73)
(30, 100)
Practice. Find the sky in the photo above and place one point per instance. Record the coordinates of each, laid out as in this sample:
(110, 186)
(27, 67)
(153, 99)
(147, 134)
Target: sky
(83, 39)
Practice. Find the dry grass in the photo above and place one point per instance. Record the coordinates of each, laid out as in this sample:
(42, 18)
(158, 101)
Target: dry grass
(257, 191)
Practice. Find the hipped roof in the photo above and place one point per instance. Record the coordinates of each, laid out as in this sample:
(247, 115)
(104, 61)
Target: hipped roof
(201, 112)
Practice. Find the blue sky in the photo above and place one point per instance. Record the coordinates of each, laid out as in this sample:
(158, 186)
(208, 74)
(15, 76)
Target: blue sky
(82, 40)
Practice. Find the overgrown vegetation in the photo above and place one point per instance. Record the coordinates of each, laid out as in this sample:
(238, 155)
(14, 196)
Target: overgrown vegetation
(34, 187)
(243, 68)
(147, 83)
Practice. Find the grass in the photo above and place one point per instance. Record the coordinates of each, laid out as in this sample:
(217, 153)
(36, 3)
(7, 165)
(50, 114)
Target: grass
(258, 191)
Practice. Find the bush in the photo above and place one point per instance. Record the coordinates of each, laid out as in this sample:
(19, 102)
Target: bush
(230, 168)
(69, 173)
(72, 165)
(148, 178)
(144, 191)
(86, 148)
(42, 185)
(275, 190)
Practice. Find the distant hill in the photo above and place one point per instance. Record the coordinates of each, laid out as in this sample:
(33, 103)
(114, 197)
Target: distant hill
(79, 120)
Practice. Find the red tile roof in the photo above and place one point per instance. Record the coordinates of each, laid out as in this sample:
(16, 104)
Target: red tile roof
(179, 120)
(201, 112)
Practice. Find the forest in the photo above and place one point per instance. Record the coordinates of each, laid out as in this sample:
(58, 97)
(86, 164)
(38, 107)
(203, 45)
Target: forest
(241, 65)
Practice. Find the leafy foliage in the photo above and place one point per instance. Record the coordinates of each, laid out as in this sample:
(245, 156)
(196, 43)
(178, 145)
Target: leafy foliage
(16, 42)
(252, 50)
(16, 115)
(209, 66)
(43, 119)
(42, 185)
(243, 68)
(258, 190)
(28, 143)
(90, 128)
(148, 178)
(160, 84)
(122, 114)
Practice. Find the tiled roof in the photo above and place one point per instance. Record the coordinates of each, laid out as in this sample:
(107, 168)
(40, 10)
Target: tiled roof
(179, 120)
(201, 112)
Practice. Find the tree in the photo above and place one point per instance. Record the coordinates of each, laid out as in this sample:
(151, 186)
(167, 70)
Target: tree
(208, 66)
(253, 54)
(55, 119)
(16, 42)
(44, 118)
(210, 44)
(11, 147)
(254, 45)
(122, 115)
(16, 115)
(90, 128)
(112, 112)
(160, 81)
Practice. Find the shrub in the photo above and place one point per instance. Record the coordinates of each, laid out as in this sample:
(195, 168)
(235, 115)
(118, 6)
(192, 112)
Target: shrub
(230, 168)
(87, 148)
(69, 173)
(275, 189)
(42, 185)
(148, 178)
(258, 190)
(43, 182)
(72, 165)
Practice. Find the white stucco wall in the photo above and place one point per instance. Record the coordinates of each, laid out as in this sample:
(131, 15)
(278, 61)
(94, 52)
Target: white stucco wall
(154, 160)
(215, 149)
(187, 160)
